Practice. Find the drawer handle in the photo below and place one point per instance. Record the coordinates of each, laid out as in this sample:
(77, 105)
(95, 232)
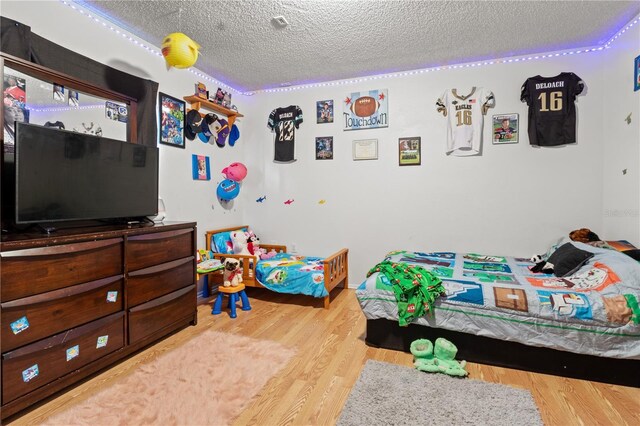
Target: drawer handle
(162, 300)
(64, 337)
(162, 267)
(160, 235)
(60, 294)
(62, 249)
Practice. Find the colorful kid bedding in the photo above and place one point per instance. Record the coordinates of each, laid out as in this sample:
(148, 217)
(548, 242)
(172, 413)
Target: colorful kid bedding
(287, 273)
(593, 311)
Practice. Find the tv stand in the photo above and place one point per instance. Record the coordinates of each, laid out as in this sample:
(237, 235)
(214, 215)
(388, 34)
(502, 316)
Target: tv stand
(46, 229)
(113, 290)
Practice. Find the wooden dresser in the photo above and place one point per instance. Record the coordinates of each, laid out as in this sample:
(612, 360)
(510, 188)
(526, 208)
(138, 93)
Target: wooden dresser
(74, 302)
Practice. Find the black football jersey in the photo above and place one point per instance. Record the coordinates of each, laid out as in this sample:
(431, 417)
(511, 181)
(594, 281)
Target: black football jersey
(284, 121)
(552, 111)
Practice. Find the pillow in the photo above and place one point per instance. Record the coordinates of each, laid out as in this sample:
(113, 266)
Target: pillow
(568, 259)
(221, 242)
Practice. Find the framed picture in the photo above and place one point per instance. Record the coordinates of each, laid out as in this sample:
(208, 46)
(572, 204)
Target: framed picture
(200, 167)
(505, 129)
(324, 111)
(171, 121)
(74, 98)
(366, 110)
(409, 151)
(324, 148)
(636, 74)
(365, 149)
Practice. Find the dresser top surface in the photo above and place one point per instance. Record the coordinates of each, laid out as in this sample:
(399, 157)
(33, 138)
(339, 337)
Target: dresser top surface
(20, 240)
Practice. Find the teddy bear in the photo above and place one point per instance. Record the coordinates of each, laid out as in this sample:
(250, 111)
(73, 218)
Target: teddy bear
(239, 242)
(232, 276)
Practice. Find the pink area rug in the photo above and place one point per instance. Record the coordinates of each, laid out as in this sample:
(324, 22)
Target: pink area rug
(207, 381)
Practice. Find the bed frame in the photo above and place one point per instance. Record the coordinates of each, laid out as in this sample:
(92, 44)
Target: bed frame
(336, 266)
(383, 333)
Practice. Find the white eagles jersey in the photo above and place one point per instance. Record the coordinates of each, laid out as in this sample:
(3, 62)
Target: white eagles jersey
(465, 115)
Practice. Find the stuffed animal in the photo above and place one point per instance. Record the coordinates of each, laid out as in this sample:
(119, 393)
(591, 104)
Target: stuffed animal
(239, 241)
(253, 244)
(269, 255)
(541, 265)
(583, 235)
(232, 272)
(438, 358)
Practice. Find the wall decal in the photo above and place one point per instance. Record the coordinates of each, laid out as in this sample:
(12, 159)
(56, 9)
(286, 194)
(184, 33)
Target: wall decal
(628, 119)
(261, 199)
(366, 110)
(322, 201)
(288, 202)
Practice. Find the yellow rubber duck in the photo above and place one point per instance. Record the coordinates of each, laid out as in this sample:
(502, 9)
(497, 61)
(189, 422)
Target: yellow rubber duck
(179, 50)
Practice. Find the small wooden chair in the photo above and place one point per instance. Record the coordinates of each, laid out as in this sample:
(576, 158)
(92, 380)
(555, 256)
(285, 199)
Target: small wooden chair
(235, 293)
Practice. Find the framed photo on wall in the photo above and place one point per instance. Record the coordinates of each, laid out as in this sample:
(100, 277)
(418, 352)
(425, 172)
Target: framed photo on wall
(505, 129)
(409, 151)
(636, 74)
(365, 149)
(200, 167)
(324, 111)
(171, 121)
(324, 148)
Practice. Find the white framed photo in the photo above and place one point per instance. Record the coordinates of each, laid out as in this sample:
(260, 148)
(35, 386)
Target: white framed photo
(365, 149)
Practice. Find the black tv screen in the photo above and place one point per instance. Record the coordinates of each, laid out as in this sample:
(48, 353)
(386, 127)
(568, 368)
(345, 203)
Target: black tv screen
(64, 176)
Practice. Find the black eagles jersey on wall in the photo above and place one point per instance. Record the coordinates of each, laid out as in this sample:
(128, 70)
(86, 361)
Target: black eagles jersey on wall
(552, 111)
(284, 121)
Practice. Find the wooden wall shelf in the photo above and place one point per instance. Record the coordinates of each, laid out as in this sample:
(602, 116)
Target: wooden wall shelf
(197, 103)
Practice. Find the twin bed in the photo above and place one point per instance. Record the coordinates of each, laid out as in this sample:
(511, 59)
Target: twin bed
(286, 273)
(498, 312)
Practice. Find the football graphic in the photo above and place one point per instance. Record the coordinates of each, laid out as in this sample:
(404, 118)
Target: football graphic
(365, 106)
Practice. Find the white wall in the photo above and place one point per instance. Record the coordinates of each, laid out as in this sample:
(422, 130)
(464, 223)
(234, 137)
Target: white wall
(621, 196)
(513, 199)
(184, 198)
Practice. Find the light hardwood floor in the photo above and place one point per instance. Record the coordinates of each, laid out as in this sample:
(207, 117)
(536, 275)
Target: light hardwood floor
(330, 354)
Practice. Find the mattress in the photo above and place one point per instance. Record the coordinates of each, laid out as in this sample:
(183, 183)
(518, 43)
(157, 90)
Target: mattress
(590, 312)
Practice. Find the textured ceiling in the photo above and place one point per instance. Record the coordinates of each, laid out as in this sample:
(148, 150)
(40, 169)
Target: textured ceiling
(329, 40)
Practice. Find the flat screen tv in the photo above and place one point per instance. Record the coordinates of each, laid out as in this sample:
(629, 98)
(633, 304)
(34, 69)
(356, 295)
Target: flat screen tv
(67, 176)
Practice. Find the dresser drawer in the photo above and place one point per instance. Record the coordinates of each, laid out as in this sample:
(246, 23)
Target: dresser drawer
(154, 249)
(33, 318)
(42, 362)
(150, 283)
(33, 271)
(159, 313)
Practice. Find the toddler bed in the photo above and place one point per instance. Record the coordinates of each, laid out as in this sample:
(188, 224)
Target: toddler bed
(585, 324)
(285, 273)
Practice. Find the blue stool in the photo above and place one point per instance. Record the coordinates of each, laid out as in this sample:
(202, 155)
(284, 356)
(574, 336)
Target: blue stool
(235, 294)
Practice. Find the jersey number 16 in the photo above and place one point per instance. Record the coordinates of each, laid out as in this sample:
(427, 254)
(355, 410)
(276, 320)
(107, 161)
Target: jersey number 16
(554, 103)
(464, 117)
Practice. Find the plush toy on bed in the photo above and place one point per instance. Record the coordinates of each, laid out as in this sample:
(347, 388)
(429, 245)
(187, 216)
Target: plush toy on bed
(240, 243)
(541, 265)
(438, 358)
(232, 272)
(253, 245)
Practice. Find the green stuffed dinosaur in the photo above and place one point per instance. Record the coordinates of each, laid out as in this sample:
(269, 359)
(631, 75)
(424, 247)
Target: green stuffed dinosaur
(437, 359)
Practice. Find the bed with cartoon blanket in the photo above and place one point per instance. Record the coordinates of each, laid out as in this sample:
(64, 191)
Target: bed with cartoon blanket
(593, 312)
(293, 274)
